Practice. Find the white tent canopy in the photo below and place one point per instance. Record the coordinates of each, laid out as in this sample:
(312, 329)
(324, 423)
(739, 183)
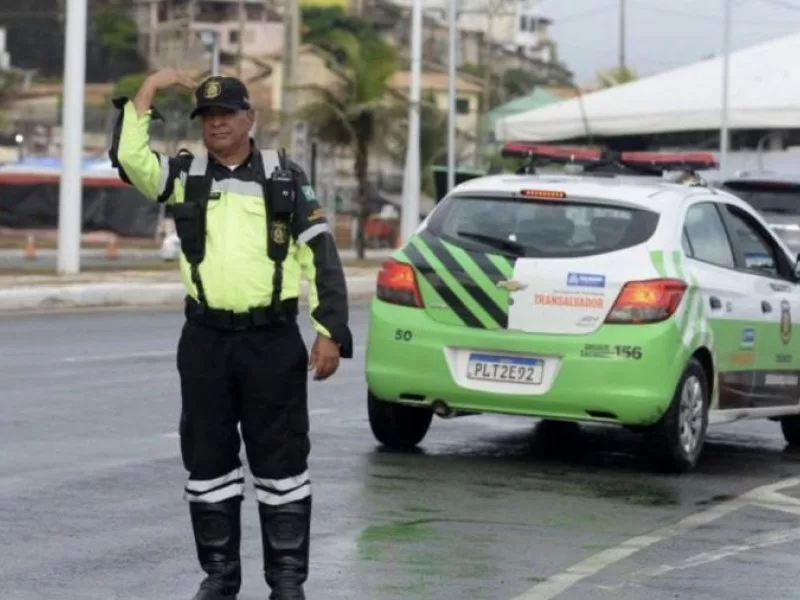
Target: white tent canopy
(764, 92)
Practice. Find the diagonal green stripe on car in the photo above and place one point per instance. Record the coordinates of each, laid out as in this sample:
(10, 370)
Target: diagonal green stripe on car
(485, 263)
(466, 277)
(486, 276)
(504, 263)
(421, 263)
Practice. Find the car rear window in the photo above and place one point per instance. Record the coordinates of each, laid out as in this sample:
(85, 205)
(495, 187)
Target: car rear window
(541, 228)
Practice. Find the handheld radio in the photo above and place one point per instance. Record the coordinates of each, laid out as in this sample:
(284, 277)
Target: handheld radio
(281, 187)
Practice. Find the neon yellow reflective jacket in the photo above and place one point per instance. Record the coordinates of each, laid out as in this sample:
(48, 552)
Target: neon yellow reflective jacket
(236, 272)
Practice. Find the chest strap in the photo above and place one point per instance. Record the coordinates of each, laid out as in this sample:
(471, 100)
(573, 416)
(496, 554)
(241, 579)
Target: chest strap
(191, 215)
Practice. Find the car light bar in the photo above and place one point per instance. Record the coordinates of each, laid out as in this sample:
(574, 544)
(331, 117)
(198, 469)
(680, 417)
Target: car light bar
(666, 161)
(522, 150)
(680, 159)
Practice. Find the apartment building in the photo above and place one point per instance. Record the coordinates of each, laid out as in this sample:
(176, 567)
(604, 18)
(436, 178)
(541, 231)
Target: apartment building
(170, 31)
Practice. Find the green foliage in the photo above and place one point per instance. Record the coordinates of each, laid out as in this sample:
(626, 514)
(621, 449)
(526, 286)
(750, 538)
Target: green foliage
(319, 23)
(10, 86)
(432, 138)
(508, 85)
(177, 99)
(351, 113)
(116, 34)
(354, 114)
(496, 163)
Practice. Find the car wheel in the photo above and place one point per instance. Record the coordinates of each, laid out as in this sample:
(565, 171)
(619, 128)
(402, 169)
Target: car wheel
(791, 429)
(677, 440)
(398, 425)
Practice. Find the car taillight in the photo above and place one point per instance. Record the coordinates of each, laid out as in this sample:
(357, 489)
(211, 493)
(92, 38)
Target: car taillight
(647, 301)
(397, 284)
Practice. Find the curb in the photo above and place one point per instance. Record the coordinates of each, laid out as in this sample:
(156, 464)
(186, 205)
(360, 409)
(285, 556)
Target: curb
(129, 294)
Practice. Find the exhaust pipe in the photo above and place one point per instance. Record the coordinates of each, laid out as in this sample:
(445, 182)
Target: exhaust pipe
(442, 410)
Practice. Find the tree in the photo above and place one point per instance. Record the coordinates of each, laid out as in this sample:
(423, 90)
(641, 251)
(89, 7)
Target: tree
(319, 22)
(354, 113)
(10, 87)
(174, 104)
(432, 138)
(116, 37)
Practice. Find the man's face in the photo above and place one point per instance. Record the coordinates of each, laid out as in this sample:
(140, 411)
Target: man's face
(225, 130)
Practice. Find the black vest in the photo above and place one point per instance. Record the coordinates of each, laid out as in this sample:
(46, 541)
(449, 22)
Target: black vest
(279, 189)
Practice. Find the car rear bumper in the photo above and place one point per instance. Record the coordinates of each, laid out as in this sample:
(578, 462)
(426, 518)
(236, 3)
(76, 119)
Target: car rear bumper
(622, 373)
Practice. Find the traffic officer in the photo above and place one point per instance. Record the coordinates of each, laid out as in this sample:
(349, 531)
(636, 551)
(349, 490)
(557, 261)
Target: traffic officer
(250, 226)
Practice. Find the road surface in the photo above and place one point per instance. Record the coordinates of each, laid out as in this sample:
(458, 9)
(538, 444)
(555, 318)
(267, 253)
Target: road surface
(491, 508)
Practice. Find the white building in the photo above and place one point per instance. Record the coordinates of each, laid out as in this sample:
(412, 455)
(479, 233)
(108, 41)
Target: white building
(517, 25)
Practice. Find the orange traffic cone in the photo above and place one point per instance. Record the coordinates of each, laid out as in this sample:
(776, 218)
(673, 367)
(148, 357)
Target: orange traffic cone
(30, 248)
(111, 248)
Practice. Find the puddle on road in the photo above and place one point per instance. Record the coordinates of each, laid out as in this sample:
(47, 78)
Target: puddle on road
(639, 493)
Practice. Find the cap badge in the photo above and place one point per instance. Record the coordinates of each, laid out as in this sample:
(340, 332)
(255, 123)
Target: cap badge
(212, 90)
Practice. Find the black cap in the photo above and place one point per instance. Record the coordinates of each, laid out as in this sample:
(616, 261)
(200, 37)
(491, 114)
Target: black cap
(224, 92)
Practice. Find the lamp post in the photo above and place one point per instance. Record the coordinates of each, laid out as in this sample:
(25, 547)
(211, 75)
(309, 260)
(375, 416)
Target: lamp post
(409, 219)
(70, 203)
(210, 38)
(724, 134)
(451, 108)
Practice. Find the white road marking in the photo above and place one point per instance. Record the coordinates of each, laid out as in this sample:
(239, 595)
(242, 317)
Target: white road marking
(766, 496)
(753, 543)
(126, 356)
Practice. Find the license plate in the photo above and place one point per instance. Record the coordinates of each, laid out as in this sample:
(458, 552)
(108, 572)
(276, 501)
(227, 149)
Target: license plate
(505, 369)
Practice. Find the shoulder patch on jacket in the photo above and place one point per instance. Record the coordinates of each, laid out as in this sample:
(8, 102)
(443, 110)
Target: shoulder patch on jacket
(308, 192)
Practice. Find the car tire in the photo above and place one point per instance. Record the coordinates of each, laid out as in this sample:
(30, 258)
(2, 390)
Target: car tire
(397, 425)
(791, 429)
(677, 440)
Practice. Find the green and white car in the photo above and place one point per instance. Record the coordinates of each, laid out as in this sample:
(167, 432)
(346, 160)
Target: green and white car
(616, 299)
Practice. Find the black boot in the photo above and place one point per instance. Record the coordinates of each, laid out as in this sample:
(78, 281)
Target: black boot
(285, 534)
(217, 534)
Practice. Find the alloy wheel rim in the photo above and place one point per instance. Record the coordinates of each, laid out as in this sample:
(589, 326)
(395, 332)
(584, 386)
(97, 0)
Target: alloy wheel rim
(690, 418)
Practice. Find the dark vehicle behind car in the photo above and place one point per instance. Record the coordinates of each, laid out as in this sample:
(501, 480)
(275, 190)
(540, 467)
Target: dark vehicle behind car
(776, 197)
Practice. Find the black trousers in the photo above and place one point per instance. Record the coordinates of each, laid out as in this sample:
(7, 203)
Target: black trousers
(255, 378)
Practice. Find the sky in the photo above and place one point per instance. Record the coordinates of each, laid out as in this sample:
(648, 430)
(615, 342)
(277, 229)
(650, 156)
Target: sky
(661, 34)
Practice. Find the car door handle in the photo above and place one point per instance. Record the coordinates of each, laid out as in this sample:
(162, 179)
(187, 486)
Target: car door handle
(715, 303)
(766, 307)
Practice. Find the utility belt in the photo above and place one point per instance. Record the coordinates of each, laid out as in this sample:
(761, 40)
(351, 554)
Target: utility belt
(227, 320)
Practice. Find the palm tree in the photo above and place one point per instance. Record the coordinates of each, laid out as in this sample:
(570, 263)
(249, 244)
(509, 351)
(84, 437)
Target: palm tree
(10, 87)
(432, 138)
(354, 113)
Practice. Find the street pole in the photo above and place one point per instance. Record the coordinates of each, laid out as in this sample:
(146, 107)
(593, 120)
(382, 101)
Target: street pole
(215, 54)
(621, 36)
(409, 220)
(724, 136)
(451, 108)
(291, 42)
(70, 204)
(240, 49)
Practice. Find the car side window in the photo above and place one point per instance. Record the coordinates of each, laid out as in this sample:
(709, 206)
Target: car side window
(706, 236)
(687, 246)
(759, 253)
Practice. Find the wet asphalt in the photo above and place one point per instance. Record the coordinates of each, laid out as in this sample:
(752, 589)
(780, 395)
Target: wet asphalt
(489, 508)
